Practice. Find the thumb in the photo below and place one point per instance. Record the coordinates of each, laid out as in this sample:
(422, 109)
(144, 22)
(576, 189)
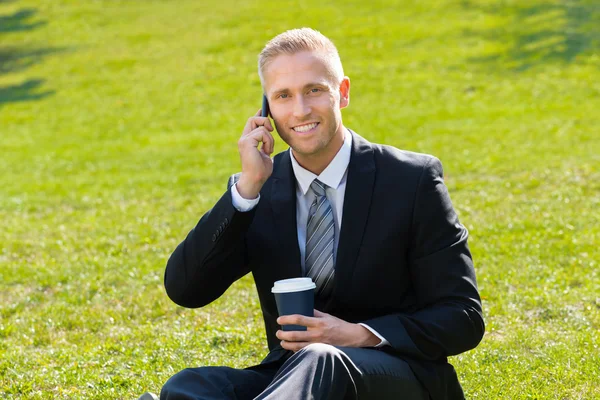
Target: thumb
(319, 314)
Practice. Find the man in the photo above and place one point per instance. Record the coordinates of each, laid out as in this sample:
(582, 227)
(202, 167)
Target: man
(372, 225)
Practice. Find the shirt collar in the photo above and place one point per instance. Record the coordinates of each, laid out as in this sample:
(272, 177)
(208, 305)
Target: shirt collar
(332, 175)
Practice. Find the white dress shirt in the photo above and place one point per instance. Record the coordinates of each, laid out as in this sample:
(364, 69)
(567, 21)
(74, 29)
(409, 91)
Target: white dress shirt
(334, 176)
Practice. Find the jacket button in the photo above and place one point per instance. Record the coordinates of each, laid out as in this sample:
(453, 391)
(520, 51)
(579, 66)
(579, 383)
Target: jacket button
(226, 221)
(214, 238)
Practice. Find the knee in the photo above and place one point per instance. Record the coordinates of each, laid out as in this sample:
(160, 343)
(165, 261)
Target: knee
(188, 374)
(173, 385)
(188, 378)
(320, 352)
(324, 370)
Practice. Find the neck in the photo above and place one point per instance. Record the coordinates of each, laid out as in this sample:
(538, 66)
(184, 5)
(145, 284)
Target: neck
(316, 163)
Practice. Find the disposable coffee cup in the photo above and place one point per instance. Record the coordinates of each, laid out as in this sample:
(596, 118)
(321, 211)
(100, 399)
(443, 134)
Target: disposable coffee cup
(295, 296)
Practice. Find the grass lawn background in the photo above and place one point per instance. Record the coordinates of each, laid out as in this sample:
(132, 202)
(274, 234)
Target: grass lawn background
(118, 130)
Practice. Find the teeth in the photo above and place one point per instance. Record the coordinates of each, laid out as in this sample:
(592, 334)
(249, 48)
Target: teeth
(305, 128)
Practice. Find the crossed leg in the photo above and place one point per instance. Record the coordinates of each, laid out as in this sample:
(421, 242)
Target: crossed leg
(319, 371)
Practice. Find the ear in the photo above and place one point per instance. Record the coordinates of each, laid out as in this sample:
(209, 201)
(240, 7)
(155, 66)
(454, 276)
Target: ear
(345, 92)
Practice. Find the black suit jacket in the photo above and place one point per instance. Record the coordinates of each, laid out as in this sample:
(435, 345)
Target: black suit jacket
(403, 265)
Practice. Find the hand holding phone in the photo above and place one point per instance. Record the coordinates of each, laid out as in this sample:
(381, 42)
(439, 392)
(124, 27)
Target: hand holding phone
(256, 146)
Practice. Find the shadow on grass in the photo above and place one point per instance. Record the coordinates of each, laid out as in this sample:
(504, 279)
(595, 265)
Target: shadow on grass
(26, 91)
(19, 21)
(540, 34)
(17, 59)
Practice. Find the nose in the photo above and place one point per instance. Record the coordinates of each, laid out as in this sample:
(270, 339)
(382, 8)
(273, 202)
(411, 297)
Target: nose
(301, 107)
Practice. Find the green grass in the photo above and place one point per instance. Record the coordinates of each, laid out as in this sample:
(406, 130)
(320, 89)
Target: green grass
(118, 129)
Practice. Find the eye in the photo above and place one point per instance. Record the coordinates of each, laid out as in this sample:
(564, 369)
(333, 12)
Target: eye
(283, 96)
(315, 90)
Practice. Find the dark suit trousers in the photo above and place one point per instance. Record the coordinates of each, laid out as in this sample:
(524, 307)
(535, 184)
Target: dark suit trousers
(319, 371)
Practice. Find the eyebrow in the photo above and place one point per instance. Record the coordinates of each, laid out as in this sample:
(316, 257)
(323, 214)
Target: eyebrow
(310, 84)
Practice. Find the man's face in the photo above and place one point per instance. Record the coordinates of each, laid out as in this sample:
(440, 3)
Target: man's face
(305, 105)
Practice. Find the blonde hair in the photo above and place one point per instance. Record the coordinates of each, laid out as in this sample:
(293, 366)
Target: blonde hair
(298, 40)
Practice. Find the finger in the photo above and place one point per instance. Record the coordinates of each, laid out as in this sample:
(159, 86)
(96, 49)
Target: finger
(295, 336)
(319, 314)
(296, 319)
(256, 121)
(257, 136)
(269, 143)
(268, 125)
(264, 136)
(294, 346)
(260, 121)
(247, 127)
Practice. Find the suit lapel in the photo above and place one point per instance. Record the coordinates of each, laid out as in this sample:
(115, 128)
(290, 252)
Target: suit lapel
(283, 203)
(357, 203)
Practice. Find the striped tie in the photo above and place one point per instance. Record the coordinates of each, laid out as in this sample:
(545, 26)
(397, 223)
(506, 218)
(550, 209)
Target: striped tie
(319, 241)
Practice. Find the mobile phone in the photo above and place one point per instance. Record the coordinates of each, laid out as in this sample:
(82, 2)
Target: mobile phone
(265, 107)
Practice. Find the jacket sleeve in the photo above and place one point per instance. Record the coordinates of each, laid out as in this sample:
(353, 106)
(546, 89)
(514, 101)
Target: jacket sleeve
(212, 256)
(448, 319)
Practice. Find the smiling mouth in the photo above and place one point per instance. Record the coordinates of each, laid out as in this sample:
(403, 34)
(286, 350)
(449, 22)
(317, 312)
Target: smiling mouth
(306, 127)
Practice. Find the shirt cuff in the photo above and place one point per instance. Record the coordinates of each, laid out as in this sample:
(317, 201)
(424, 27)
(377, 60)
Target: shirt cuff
(374, 332)
(241, 204)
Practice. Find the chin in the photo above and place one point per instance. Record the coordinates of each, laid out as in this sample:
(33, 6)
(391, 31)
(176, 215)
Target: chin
(307, 150)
